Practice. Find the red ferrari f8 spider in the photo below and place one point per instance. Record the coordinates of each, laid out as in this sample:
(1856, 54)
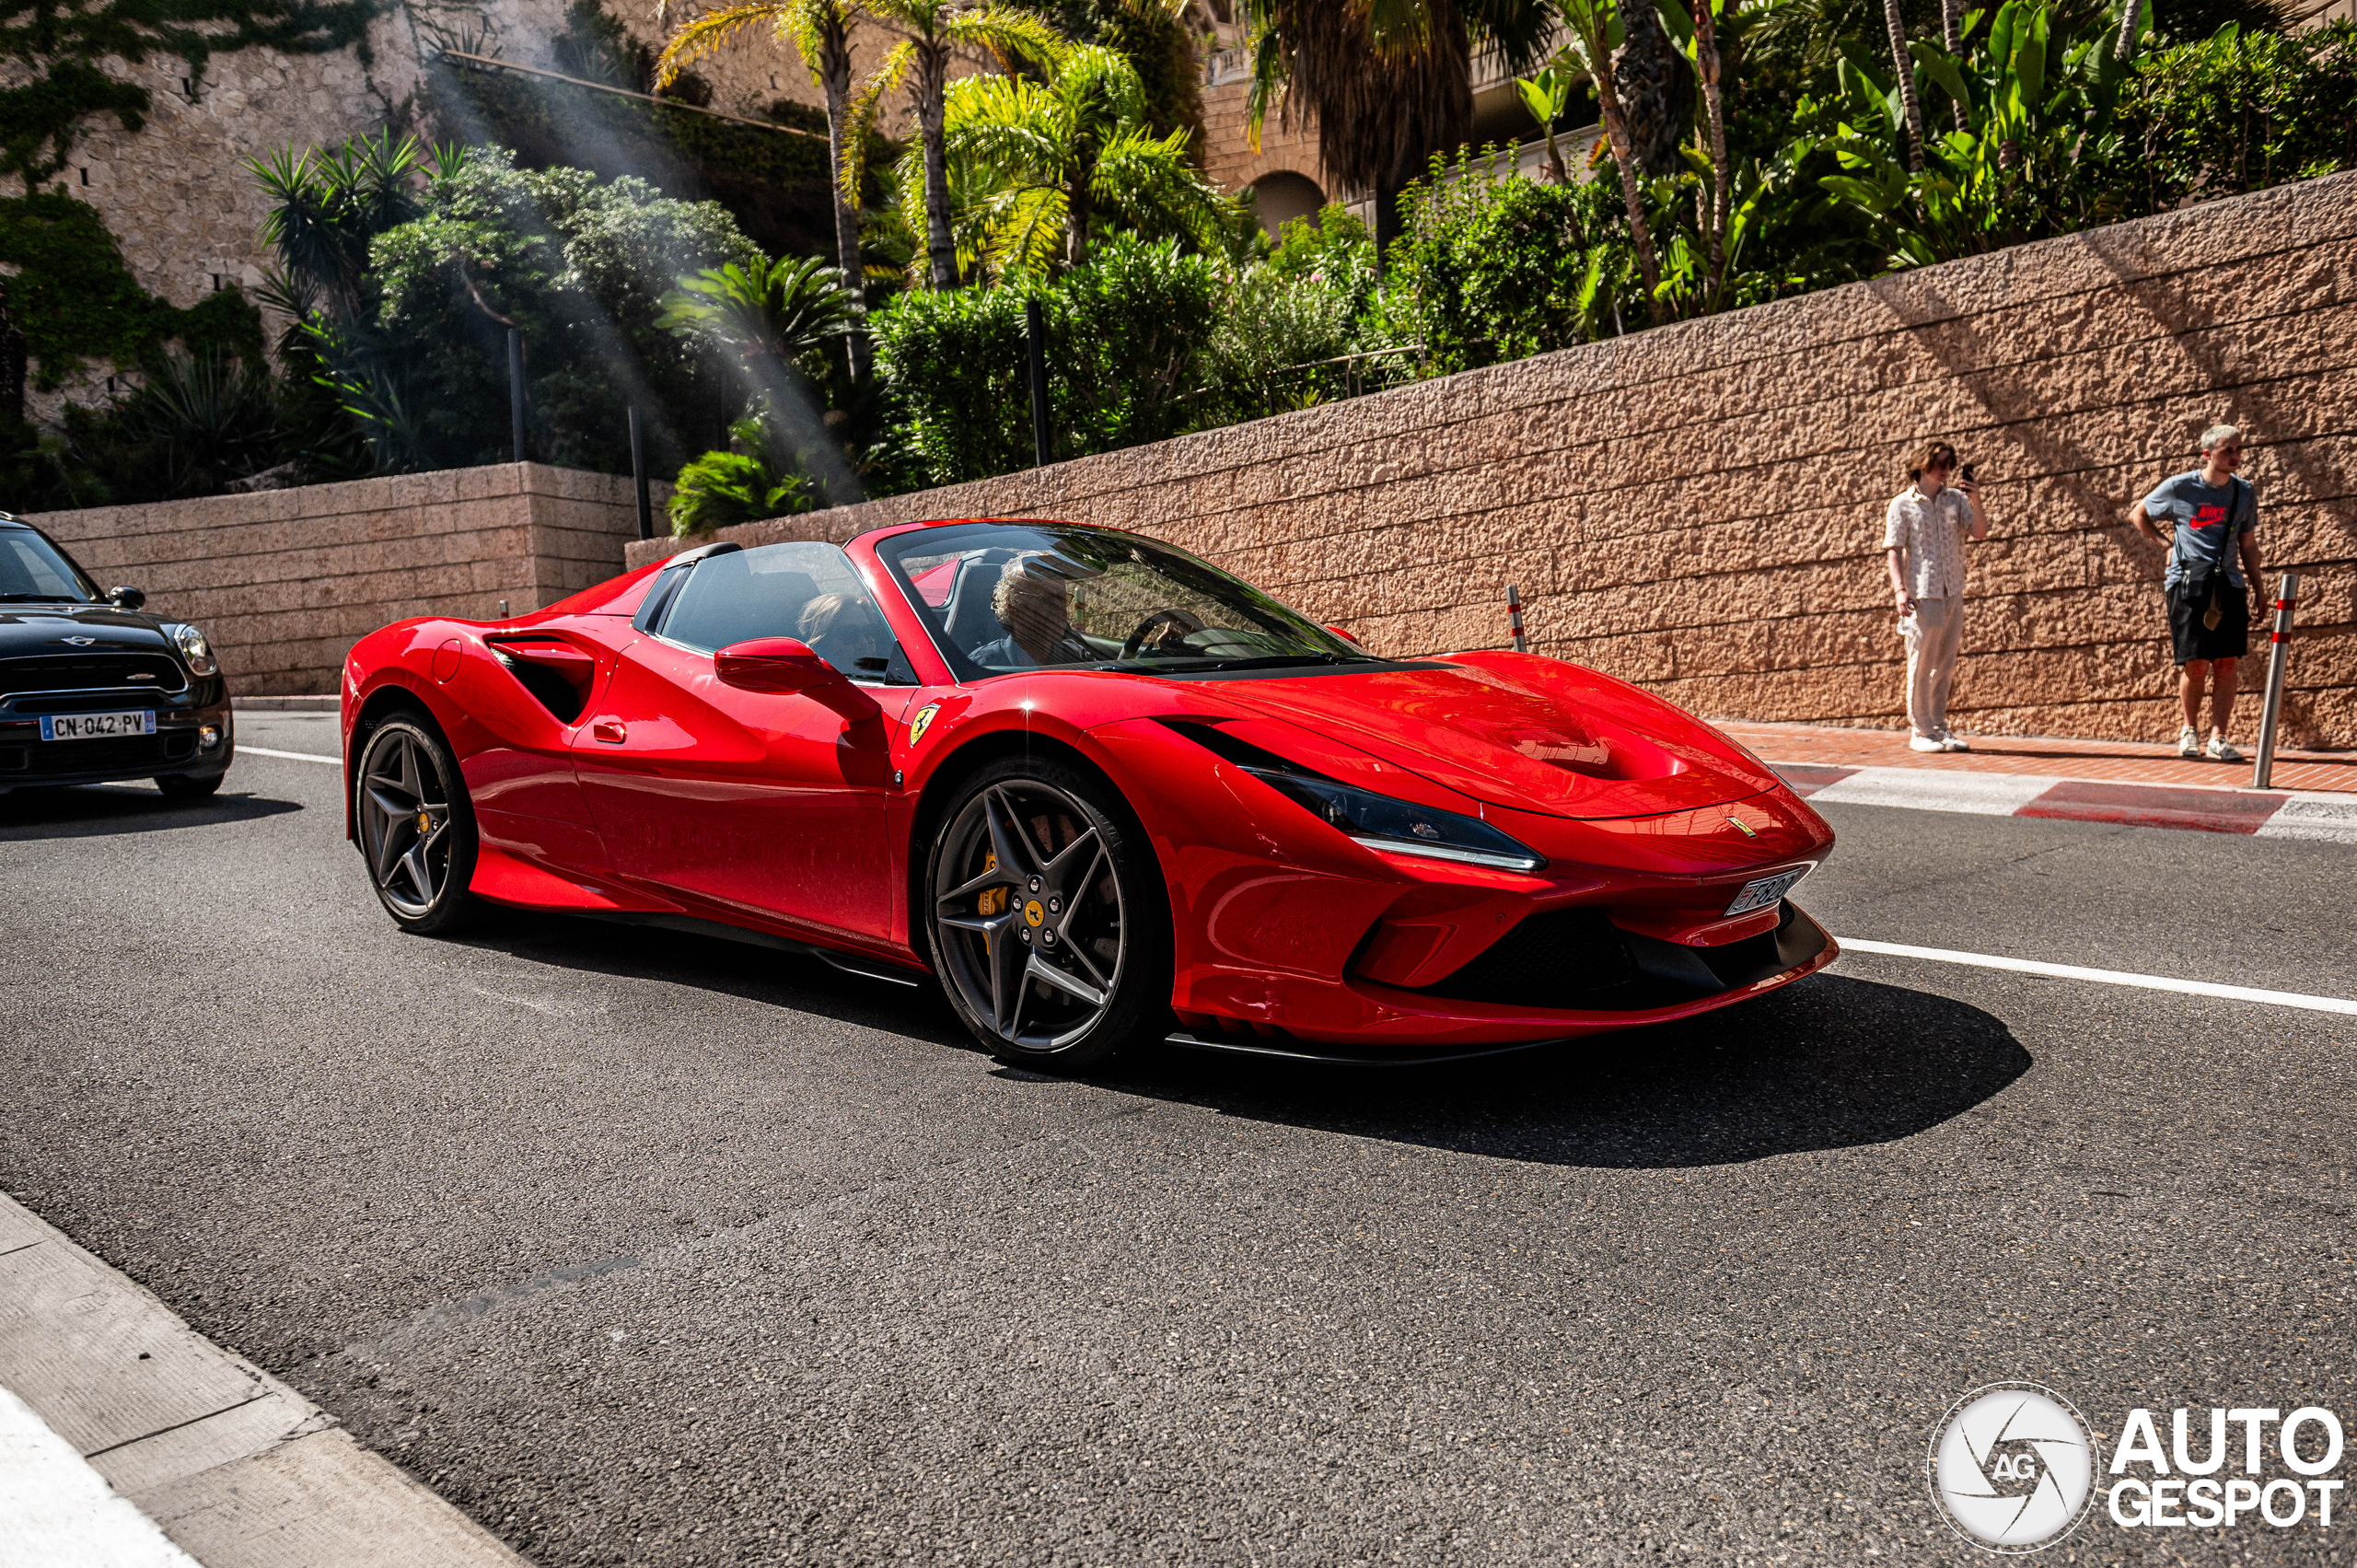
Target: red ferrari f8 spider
(1099, 789)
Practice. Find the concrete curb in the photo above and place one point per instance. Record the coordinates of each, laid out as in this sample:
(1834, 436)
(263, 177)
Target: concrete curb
(2266, 814)
(328, 704)
(239, 1469)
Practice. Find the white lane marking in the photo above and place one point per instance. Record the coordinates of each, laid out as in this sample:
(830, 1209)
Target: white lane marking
(2107, 977)
(1935, 789)
(56, 1512)
(245, 750)
(2331, 818)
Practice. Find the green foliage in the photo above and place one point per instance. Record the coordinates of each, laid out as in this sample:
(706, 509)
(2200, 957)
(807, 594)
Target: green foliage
(53, 51)
(1334, 240)
(198, 423)
(1036, 169)
(774, 183)
(1489, 266)
(74, 300)
(580, 266)
(1128, 334)
(743, 484)
(1154, 38)
(782, 312)
(2242, 110)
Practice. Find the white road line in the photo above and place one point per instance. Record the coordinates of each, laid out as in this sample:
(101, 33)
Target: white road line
(56, 1512)
(2329, 819)
(2106, 977)
(1935, 789)
(245, 750)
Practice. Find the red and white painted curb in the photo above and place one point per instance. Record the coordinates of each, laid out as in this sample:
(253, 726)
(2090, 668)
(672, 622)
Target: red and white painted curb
(2266, 814)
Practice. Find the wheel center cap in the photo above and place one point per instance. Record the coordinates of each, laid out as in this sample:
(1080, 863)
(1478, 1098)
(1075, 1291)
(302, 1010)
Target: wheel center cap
(1035, 914)
(425, 823)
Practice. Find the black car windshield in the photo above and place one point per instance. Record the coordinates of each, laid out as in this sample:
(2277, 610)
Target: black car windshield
(33, 571)
(1004, 596)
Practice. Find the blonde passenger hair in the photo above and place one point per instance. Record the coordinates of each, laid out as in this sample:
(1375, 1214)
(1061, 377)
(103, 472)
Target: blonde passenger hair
(818, 617)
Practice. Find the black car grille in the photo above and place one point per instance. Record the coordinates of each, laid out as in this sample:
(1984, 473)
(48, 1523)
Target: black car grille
(131, 752)
(1555, 959)
(70, 672)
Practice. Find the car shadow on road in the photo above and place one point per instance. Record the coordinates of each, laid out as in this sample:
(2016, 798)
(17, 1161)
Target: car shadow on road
(95, 810)
(1832, 1062)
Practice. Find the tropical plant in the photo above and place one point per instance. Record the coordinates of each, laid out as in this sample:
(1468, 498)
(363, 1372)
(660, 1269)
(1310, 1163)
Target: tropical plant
(329, 204)
(2241, 111)
(198, 423)
(1545, 96)
(935, 29)
(1594, 27)
(819, 31)
(1037, 167)
(1388, 82)
(746, 484)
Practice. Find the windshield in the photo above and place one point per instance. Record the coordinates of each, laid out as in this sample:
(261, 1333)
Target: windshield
(33, 571)
(1003, 596)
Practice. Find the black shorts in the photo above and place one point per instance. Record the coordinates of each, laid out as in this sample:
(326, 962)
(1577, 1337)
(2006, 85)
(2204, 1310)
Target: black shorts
(2194, 641)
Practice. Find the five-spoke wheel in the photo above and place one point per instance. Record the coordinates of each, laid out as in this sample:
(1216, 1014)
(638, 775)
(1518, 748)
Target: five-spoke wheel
(416, 828)
(1048, 931)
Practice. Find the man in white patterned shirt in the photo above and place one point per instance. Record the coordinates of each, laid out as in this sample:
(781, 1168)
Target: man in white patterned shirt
(1924, 535)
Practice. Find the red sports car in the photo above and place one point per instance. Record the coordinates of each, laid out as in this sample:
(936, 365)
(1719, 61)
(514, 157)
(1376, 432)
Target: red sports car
(1099, 789)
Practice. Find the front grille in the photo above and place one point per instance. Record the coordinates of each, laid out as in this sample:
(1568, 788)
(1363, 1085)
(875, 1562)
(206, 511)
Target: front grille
(114, 751)
(73, 672)
(1555, 959)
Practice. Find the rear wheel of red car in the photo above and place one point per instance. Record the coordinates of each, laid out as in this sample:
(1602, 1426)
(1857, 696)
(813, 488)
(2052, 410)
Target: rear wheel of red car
(417, 828)
(1049, 923)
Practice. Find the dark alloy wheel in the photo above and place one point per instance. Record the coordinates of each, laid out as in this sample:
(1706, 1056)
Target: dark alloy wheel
(417, 829)
(1049, 923)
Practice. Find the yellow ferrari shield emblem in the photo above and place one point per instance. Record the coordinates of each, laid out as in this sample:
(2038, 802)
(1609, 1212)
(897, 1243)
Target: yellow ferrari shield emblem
(919, 724)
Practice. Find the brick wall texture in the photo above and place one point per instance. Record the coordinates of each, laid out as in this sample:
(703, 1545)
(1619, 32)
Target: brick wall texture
(1699, 507)
(284, 582)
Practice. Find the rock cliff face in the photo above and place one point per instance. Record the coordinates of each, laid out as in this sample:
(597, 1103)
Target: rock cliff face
(1699, 508)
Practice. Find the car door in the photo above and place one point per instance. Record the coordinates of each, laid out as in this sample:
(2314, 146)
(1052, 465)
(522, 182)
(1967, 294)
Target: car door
(752, 802)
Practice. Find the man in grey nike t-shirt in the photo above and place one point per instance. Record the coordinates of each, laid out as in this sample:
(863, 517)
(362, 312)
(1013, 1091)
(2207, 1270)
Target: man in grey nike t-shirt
(2212, 561)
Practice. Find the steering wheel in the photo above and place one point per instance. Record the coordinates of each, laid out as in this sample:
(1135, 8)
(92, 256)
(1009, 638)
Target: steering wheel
(1160, 617)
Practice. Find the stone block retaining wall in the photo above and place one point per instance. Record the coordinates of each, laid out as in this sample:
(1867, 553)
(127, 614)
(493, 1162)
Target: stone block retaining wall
(284, 582)
(1699, 507)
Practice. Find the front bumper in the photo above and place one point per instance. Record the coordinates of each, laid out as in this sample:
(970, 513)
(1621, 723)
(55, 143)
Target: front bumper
(1360, 1021)
(176, 749)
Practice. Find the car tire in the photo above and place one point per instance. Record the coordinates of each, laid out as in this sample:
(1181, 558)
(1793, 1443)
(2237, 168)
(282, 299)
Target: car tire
(417, 825)
(1046, 917)
(182, 786)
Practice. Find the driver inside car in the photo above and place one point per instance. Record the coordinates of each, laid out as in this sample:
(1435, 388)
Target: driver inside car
(1034, 603)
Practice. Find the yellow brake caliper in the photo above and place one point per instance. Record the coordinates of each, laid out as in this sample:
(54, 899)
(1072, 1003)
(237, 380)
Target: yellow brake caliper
(993, 899)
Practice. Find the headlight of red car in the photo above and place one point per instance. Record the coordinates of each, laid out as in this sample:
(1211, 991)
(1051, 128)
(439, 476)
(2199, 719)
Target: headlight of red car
(1381, 822)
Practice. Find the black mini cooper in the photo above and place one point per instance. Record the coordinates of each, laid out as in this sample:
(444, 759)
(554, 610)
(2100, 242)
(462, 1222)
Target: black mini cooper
(91, 689)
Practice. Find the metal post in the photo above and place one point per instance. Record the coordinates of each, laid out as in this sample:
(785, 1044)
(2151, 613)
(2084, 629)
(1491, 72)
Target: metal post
(2278, 656)
(1035, 331)
(1514, 618)
(638, 475)
(516, 389)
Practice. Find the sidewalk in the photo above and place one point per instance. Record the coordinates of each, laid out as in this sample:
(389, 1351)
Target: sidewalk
(2313, 794)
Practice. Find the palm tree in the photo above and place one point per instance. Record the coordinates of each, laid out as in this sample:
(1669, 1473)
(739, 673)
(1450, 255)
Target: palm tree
(1033, 163)
(1388, 81)
(820, 31)
(935, 29)
(1590, 23)
(1905, 65)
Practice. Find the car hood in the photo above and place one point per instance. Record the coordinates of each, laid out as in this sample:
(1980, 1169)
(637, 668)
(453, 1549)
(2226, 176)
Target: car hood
(30, 628)
(1522, 732)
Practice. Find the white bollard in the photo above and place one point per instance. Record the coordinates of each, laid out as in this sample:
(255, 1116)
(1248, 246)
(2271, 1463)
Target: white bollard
(2278, 656)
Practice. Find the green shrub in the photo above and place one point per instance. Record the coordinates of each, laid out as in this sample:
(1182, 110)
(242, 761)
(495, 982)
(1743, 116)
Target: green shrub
(1489, 266)
(1128, 335)
(2242, 110)
(745, 484)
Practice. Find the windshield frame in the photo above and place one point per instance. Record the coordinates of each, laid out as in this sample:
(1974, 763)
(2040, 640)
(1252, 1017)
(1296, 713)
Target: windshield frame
(10, 527)
(892, 549)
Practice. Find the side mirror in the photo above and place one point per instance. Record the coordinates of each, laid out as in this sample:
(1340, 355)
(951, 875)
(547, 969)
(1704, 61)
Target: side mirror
(1342, 633)
(779, 665)
(126, 597)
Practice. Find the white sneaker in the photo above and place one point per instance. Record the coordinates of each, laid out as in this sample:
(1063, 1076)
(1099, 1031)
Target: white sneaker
(2188, 742)
(1923, 743)
(1954, 743)
(2222, 750)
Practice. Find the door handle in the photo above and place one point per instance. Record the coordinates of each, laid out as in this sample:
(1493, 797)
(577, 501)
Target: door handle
(610, 731)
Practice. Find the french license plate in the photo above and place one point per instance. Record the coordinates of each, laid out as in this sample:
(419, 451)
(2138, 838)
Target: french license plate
(90, 727)
(1765, 891)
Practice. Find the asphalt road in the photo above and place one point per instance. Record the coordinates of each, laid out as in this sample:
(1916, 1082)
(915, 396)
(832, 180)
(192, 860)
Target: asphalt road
(641, 1248)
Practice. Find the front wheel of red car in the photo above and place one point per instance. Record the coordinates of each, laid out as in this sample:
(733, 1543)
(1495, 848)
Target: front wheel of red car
(1049, 923)
(417, 827)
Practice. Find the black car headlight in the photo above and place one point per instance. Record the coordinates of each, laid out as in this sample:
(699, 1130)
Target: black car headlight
(195, 650)
(1402, 826)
